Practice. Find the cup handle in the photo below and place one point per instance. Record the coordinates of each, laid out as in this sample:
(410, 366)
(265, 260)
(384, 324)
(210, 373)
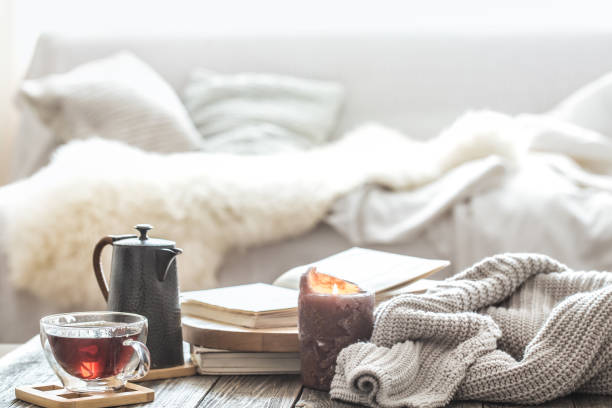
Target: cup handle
(144, 360)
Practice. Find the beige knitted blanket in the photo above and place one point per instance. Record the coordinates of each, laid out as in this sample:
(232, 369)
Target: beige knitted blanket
(515, 328)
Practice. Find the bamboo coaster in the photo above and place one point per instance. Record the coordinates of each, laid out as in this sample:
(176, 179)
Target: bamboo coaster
(186, 370)
(54, 396)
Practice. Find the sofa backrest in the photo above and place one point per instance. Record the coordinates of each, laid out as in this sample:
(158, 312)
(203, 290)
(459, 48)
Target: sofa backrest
(417, 81)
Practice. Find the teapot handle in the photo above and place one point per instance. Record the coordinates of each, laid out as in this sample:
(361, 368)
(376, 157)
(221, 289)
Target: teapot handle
(97, 264)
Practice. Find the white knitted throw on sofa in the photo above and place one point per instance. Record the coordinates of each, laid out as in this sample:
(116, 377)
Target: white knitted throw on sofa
(514, 328)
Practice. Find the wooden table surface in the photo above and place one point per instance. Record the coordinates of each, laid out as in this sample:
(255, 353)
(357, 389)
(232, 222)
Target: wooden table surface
(27, 366)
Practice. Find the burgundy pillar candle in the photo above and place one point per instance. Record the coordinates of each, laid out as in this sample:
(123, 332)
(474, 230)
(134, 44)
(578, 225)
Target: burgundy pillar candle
(332, 314)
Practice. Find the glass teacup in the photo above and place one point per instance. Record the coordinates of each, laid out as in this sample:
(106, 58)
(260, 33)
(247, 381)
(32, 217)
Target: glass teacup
(96, 351)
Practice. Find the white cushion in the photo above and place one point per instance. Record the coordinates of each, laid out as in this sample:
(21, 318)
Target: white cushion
(118, 97)
(590, 106)
(261, 113)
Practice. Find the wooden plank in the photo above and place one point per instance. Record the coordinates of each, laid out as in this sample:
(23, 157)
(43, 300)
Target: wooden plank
(180, 392)
(464, 404)
(273, 391)
(24, 366)
(7, 348)
(314, 399)
(591, 401)
(319, 399)
(565, 402)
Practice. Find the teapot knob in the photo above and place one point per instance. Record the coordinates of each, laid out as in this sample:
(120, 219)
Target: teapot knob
(143, 228)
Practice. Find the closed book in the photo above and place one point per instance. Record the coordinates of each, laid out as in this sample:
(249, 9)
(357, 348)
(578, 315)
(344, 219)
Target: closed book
(223, 362)
(256, 305)
(217, 335)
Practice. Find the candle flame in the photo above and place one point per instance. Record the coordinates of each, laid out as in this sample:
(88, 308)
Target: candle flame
(318, 282)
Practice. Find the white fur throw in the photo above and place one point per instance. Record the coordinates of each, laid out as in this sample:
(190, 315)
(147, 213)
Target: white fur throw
(207, 203)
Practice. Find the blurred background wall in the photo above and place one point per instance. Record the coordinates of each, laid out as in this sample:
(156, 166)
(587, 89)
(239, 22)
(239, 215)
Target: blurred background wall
(21, 21)
(7, 82)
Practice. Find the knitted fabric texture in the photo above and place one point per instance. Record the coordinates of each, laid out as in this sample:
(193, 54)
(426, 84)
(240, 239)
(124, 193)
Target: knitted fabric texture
(518, 328)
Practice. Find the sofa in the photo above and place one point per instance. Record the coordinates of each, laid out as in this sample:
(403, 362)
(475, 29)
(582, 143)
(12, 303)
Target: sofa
(416, 81)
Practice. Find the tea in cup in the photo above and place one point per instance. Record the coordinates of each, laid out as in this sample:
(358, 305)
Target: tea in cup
(96, 351)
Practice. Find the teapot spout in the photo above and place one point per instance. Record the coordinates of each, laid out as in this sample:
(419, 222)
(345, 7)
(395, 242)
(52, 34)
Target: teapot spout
(165, 257)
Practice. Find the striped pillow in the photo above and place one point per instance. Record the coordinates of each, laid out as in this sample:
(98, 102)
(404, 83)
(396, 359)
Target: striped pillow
(119, 98)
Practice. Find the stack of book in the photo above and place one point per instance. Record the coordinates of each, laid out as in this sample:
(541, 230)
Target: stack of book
(252, 329)
(225, 327)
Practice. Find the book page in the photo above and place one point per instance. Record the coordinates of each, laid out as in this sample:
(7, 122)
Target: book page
(370, 269)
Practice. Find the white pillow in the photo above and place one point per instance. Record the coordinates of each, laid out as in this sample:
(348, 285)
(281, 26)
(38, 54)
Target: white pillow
(120, 98)
(261, 113)
(590, 106)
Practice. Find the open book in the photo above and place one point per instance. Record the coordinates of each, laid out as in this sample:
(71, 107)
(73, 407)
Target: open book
(260, 305)
(374, 270)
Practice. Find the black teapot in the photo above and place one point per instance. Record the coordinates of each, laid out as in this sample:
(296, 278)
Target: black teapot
(144, 281)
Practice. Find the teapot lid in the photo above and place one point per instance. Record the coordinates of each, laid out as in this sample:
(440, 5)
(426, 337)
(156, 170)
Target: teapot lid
(144, 240)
